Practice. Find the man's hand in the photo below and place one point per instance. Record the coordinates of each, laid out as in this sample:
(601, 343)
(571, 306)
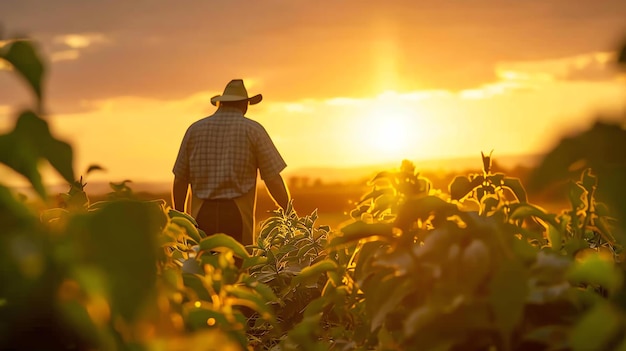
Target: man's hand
(278, 190)
(179, 194)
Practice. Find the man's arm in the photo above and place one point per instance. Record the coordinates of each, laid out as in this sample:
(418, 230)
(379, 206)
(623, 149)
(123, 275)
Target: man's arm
(278, 190)
(179, 194)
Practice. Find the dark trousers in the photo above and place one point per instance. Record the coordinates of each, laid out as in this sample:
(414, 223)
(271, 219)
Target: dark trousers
(220, 216)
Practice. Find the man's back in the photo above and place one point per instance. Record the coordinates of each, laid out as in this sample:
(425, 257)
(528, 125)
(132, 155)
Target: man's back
(221, 153)
(219, 158)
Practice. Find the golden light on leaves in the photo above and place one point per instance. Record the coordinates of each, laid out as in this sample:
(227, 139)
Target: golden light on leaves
(98, 309)
(69, 290)
(177, 321)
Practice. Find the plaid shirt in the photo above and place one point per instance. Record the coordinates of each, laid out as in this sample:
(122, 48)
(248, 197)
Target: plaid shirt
(220, 154)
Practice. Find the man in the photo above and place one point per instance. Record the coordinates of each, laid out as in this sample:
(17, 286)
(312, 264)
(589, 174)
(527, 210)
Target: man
(219, 157)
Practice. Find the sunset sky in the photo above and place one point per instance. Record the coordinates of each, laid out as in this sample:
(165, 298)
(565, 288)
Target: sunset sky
(345, 82)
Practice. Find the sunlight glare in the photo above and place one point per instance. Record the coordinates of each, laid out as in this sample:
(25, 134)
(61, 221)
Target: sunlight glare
(387, 130)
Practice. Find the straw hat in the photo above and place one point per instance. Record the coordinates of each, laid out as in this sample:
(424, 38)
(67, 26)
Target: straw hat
(236, 91)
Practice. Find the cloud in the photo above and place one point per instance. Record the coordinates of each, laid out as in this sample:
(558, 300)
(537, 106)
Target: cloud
(65, 55)
(596, 67)
(81, 41)
(527, 76)
(589, 67)
(73, 44)
(298, 49)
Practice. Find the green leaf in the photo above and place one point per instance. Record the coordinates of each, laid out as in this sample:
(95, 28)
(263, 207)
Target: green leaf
(121, 187)
(80, 321)
(555, 238)
(507, 293)
(385, 175)
(496, 179)
(389, 294)
(436, 244)
(266, 292)
(524, 250)
(525, 210)
(251, 299)
(202, 317)
(360, 230)
(194, 282)
(516, 187)
(383, 202)
(573, 245)
(123, 243)
(486, 161)
(303, 335)
(605, 229)
(375, 194)
(305, 249)
(595, 270)
(357, 212)
(596, 328)
(423, 208)
(602, 209)
(172, 213)
(313, 272)
(588, 180)
(93, 168)
(400, 259)
(53, 214)
(316, 306)
(18, 154)
(489, 203)
(418, 319)
(576, 195)
(551, 336)
(286, 251)
(218, 241)
(364, 255)
(31, 141)
(254, 261)
(460, 187)
(189, 228)
(21, 54)
(475, 265)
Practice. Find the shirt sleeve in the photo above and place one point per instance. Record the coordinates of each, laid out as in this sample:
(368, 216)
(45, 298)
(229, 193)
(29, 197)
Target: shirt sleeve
(181, 166)
(270, 162)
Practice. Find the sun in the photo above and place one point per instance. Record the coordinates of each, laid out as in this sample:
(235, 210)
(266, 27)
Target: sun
(386, 132)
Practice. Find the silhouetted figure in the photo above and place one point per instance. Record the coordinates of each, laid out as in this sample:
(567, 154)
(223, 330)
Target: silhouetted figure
(220, 157)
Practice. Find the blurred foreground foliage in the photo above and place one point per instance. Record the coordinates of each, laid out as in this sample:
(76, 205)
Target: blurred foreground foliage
(476, 267)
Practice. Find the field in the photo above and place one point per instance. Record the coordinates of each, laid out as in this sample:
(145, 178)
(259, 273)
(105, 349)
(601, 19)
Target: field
(333, 200)
(483, 259)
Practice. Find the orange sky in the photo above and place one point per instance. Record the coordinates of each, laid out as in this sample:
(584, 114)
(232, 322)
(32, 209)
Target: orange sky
(344, 82)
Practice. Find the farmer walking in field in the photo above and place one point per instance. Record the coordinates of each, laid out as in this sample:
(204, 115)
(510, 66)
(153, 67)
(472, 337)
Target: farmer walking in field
(219, 158)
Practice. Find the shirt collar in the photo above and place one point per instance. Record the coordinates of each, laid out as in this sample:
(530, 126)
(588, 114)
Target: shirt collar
(228, 110)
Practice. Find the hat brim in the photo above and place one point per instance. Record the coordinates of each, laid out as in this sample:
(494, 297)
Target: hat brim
(251, 100)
